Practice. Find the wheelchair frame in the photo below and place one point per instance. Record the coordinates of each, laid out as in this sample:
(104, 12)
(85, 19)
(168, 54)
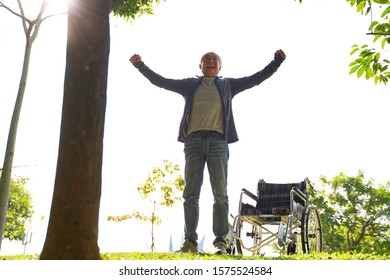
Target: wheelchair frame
(285, 206)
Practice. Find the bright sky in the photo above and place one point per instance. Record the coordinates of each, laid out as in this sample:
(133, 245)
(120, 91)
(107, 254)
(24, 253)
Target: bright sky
(310, 119)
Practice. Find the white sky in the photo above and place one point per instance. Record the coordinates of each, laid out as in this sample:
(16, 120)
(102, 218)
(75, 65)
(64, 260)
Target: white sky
(310, 119)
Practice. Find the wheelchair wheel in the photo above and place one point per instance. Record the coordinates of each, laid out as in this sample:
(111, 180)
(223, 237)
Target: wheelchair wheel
(246, 232)
(311, 231)
(238, 230)
(291, 248)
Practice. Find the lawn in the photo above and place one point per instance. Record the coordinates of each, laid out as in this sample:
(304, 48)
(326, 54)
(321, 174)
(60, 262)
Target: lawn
(208, 256)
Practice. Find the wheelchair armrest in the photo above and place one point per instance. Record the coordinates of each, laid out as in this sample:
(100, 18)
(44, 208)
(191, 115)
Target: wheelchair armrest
(248, 193)
(300, 193)
(245, 208)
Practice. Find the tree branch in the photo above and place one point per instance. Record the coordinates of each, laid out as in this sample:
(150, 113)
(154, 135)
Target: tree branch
(53, 15)
(38, 21)
(378, 33)
(24, 19)
(2, 5)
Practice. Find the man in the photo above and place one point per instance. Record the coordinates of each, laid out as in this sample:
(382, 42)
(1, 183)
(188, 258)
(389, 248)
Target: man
(206, 129)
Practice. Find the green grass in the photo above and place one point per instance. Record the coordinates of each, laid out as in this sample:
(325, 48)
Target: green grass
(207, 256)
(20, 257)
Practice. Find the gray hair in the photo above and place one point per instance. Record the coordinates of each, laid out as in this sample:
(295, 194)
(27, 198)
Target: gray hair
(218, 57)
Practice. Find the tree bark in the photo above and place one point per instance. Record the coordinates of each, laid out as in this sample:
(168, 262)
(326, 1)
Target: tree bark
(73, 225)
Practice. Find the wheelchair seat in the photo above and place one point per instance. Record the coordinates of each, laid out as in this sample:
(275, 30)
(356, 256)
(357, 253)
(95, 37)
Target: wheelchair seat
(276, 198)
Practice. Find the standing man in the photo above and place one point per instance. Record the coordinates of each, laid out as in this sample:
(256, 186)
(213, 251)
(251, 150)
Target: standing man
(206, 129)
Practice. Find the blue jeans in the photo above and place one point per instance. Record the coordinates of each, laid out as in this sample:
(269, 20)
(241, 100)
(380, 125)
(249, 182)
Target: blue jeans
(206, 147)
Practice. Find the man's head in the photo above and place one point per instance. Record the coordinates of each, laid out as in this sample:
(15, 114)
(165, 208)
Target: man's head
(210, 64)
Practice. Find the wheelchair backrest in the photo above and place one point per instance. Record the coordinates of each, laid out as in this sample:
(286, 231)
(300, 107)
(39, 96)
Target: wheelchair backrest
(272, 196)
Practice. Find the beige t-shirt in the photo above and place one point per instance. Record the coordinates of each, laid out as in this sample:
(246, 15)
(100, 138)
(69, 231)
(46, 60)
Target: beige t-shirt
(207, 109)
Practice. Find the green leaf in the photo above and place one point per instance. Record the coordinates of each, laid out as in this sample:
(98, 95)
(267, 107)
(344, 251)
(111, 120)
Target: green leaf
(383, 43)
(361, 6)
(377, 37)
(369, 73)
(385, 12)
(376, 67)
(361, 71)
(353, 51)
(382, 1)
(354, 69)
(355, 62)
(374, 23)
(377, 56)
(368, 10)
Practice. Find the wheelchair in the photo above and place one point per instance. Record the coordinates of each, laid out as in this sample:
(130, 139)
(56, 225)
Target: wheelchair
(279, 216)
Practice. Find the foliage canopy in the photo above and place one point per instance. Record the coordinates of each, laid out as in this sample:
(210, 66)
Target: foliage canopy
(20, 210)
(369, 63)
(354, 214)
(130, 9)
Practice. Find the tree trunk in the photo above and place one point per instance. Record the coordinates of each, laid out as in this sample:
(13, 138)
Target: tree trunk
(73, 225)
(6, 174)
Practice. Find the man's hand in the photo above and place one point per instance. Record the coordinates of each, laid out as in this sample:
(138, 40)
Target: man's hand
(280, 53)
(135, 58)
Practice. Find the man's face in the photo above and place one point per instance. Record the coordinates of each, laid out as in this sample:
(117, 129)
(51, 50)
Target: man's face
(210, 65)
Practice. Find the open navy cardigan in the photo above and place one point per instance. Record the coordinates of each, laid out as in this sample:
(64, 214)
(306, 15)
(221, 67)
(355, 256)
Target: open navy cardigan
(227, 87)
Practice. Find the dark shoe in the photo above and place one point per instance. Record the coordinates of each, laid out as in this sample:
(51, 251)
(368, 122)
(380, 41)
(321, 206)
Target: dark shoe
(188, 246)
(220, 248)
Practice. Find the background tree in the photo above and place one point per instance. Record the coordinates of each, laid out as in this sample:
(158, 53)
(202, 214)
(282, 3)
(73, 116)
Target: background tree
(130, 9)
(20, 210)
(369, 63)
(163, 187)
(73, 224)
(354, 214)
(31, 30)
